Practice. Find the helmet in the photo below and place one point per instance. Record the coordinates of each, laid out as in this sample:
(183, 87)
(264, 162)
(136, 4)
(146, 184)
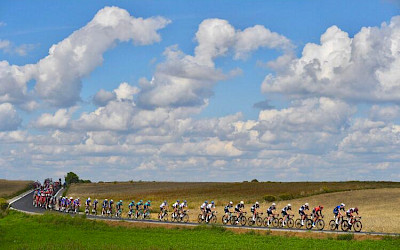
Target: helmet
(212, 202)
(120, 200)
(165, 201)
(320, 206)
(257, 203)
(149, 201)
(177, 201)
(241, 202)
(111, 200)
(133, 201)
(95, 199)
(356, 209)
(70, 198)
(231, 202)
(206, 202)
(89, 198)
(105, 199)
(306, 204)
(289, 205)
(343, 205)
(183, 201)
(273, 204)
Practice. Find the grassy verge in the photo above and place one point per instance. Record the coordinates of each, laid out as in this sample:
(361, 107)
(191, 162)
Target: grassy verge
(10, 189)
(19, 230)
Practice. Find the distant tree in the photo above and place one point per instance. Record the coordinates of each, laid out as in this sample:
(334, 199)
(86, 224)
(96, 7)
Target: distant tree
(254, 180)
(71, 177)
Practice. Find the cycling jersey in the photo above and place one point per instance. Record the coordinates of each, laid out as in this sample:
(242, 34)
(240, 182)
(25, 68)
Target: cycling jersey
(164, 204)
(227, 207)
(350, 212)
(95, 204)
(303, 208)
(209, 207)
(238, 207)
(119, 205)
(286, 208)
(175, 205)
(182, 205)
(131, 205)
(146, 205)
(337, 209)
(110, 204)
(270, 209)
(253, 208)
(138, 205)
(105, 204)
(87, 202)
(203, 206)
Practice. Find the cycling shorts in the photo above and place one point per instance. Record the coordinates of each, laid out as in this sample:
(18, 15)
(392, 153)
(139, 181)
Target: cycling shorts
(237, 209)
(301, 212)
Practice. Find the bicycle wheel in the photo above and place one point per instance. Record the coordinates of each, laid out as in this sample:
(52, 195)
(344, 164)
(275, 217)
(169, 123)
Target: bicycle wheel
(357, 226)
(290, 223)
(225, 219)
(320, 224)
(250, 221)
(275, 222)
(214, 219)
(173, 217)
(345, 225)
(309, 224)
(185, 218)
(259, 221)
(297, 223)
(243, 220)
(265, 222)
(234, 220)
(200, 218)
(280, 222)
(165, 218)
(332, 225)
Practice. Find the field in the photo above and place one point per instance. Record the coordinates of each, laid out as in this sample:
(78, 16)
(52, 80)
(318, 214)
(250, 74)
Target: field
(20, 231)
(9, 189)
(370, 197)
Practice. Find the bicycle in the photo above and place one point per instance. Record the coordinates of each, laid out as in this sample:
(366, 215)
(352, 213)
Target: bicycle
(274, 221)
(332, 224)
(289, 221)
(319, 224)
(258, 220)
(118, 213)
(211, 218)
(94, 211)
(298, 224)
(146, 215)
(87, 210)
(163, 215)
(138, 214)
(241, 219)
(357, 225)
(226, 218)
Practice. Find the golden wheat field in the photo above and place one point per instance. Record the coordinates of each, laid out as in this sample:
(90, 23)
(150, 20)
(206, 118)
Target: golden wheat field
(377, 206)
(8, 187)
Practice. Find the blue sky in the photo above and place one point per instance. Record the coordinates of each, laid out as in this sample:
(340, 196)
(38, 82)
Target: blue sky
(324, 99)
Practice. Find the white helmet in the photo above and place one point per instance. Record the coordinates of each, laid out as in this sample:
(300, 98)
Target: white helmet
(257, 203)
(89, 198)
(231, 202)
(273, 204)
(306, 204)
(105, 199)
(343, 205)
(70, 198)
(241, 202)
(289, 205)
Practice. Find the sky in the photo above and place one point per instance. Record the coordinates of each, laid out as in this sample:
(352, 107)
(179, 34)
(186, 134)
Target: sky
(200, 90)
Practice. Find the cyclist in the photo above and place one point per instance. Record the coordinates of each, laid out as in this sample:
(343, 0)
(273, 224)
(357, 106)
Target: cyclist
(239, 210)
(316, 213)
(175, 206)
(350, 216)
(87, 205)
(302, 212)
(254, 209)
(203, 209)
(163, 208)
(110, 207)
(105, 206)
(131, 207)
(138, 208)
(182, 206)
(94, 210)
(118, 208)
(285, 213)
(270, 212)
(210, 207)
(337, 213)
(146, 207)
(77, 204)
(228, 207)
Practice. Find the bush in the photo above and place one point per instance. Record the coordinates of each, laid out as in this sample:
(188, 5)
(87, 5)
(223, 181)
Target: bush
(269, 198)
(286, 196)
(345, 237)
(254, 180)
(3, 204)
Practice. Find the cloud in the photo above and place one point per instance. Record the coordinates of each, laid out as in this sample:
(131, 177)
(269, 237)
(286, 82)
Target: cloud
(102, 97)
(59, 120)
(10, 48)
(58, 75)
(384, 113)
(9, 119)
(263, 105)
(364, 68)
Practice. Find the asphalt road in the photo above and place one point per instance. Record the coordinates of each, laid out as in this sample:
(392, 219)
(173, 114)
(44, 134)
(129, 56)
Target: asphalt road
(24, 204)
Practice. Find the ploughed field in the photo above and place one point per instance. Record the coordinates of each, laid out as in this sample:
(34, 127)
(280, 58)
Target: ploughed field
(377, 201)
(10, 188)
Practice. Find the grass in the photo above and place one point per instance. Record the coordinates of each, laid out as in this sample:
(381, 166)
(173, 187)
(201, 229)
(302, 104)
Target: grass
(20, 231)
(9, 189)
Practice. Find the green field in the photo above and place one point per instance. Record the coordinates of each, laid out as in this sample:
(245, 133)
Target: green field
(53, 231)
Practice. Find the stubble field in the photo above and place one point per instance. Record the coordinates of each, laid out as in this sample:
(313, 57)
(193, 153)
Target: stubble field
(10, 188)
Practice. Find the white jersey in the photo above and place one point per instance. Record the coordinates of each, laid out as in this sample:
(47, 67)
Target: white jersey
(175, 205)
(204, 205)
(209, 206)
(163, 205)
(182, 205)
